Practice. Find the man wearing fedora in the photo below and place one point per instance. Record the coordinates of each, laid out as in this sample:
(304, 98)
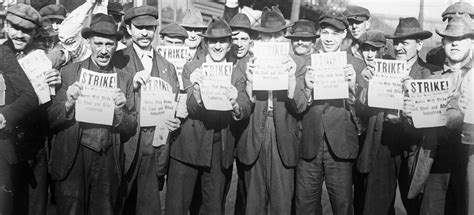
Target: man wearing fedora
(437, 56)
(329, 145)
(204, 148)
(303, 37)
(267, 151)
(85, 157)
(144, 178)
(194, 25)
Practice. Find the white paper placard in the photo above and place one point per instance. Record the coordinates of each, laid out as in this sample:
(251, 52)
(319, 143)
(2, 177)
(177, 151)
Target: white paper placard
(35, 65)
(153, 98)
(215, 83)
(269, 73)
(178, 56)
(469, 114)
(329, 76)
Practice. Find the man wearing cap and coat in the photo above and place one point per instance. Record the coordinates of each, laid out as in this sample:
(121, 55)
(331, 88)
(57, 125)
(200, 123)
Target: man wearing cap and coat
(17, 99)
(85, 157)
(204, 148)
(173, 35)
(145, 171)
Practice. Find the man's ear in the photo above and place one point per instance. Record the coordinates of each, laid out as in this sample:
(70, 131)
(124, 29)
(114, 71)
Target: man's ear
(129, 29)
(367, 24)
(419, 45)
(344, 34)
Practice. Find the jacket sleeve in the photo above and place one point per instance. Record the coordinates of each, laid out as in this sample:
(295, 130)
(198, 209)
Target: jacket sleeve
(57, 115)
(243, 100)
(302, 97)
(127, 122)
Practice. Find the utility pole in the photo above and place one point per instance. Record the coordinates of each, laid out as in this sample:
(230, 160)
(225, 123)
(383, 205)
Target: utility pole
(420, 15)
(295, 10)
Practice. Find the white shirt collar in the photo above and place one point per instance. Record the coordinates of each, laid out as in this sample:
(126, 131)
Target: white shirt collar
(141, 53)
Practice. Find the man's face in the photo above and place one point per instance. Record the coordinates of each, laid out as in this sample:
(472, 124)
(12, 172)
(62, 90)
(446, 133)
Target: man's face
(20, 37)
(273, 37)
(406, 49)
(103, 48)
(218, 48)
(357, 28)
(193, 39)
(142, 35)
(172, 41)
(369, 53)
(302, 45)
(331, 38)
(242, 42)
(457, 49)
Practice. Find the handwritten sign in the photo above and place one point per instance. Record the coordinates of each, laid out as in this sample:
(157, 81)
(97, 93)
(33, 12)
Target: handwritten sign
(96, 102)
(329, 78)
(430, 98)
(154, 96)
(177, 55)
(469, 114)
(35, 65)
(385, 87)
(269, 73)
(215, 83)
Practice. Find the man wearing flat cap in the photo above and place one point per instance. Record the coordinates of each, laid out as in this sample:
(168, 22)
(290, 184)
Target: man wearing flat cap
(329, 145)
(173, 35)
(194, 25)
(359, 23)
(437, 56)
(85, 157)
(145, 178)
(204, 148)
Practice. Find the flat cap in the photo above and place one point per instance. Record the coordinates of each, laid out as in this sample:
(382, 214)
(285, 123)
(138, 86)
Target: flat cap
(457, 8)
(24, 15)
(142, 16)
(53, 11)
(173, 30)
(338, 21)
(358, 13)
(373, 38)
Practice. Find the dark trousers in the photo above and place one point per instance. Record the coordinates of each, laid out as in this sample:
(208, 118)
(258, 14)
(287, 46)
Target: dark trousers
(9, 176)
(310, 175)
(38, 185)
(269, 183)
(240, 198)
(215, 183)
(91, 186)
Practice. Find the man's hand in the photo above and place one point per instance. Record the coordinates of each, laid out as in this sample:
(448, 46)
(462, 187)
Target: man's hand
(350, 75)
(309, 77)
(53, 77)
(408, 106)
(119, 99)
(172, 124)
(73, 92)
(249, 70)
(404, 80)
(140, 78)
(232, 94)
(290, 66)
(3, 122)
(367, 73)
(196, 79)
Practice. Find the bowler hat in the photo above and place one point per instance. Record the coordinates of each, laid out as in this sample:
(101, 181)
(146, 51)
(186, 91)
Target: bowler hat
(174, 30)
(457, 8)
(101, 24)
(373, 38)
(458, 26)
(53, 11)
(193, 19)
(338, 21)
(409, 28)
(115, 8)
(240, 20)
(357, 13)
(302, 28)
(142, 16)
(23, 15)
(218, 28)
(272, 21)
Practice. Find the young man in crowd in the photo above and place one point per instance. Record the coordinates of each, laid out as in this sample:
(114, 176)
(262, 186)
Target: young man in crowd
(194, 25)
(204, 148)
(173, 35)
(85, 157)
(329, 135)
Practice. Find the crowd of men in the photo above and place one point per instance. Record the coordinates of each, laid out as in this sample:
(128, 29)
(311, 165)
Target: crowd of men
(285, 143)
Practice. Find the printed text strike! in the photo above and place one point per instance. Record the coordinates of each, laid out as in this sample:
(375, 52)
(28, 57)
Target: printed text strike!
(218, 70)
(390, 67)
(174, 53)
(95, 80)
(157, 85)
(429, 87)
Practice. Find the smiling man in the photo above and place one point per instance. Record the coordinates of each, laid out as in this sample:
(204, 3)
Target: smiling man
(193, 23)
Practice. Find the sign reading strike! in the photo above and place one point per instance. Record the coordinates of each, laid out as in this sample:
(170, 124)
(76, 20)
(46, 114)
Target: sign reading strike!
(430, 98)
(35, 64)
(177, 55)
(329, 77)
(215, 83)
(96, 103)
(269, 73)
(385, 87)
(155, 97)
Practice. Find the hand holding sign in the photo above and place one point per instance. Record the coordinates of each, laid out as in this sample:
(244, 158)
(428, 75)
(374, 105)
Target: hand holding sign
(250, 69)
(119, 99)
(196, 79)
(3, 122)
(408, 106)
(367, 73)
(73, 92)
(140, 78)
(309, 77)
(232, 93)
(290, 67)
(53, 77)
(350, 75)
(172, 124)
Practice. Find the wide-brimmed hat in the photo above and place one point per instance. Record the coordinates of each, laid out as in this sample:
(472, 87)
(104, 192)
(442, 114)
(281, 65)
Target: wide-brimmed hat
(193, 19)
(373, 38)
(272, 21)
(338, 21)
(101, 24)
(240, 20)
(142, 16)
(218, 28)
(458, 26)
(409, 28)
(302, 28)
(23, 15)
(53, 11)
(357, 13)
(458, 8)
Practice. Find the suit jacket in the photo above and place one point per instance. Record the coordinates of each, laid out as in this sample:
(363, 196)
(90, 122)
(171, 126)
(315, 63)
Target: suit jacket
(67, 130)
(129, 62)
(410, 135)
(194, 142)
(287, 125)
(20, 99)
(330, 119)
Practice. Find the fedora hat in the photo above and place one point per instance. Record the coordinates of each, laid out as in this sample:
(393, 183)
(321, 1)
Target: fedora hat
(240, 20)
(193, 19)
(101, 24)
(373, 38)
(272, 21)
(458, 26)
(409, 28)
(302, 28)
(218, 28)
